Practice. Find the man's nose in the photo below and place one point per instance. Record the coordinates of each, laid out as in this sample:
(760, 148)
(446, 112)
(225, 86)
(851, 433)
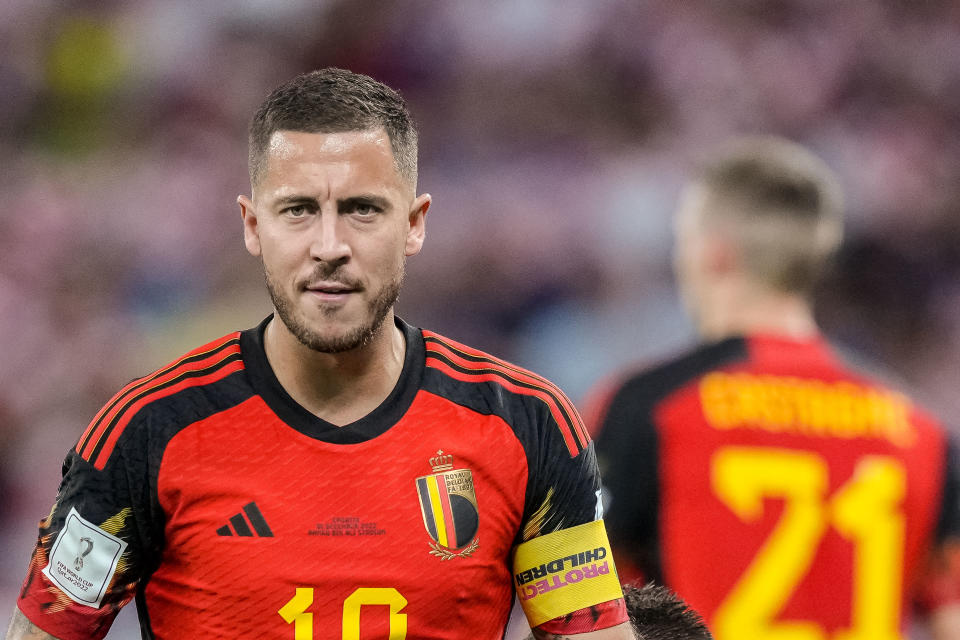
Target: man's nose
(330, 242)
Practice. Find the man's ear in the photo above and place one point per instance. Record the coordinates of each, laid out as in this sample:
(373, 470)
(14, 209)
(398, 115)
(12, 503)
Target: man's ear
(720, 255)
(251, 232)
(417, 230)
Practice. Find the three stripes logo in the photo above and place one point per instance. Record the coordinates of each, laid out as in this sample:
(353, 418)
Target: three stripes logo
(252, 526)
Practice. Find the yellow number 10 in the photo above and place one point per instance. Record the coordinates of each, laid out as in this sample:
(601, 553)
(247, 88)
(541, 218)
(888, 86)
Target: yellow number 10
(295, 612)
(864, 510)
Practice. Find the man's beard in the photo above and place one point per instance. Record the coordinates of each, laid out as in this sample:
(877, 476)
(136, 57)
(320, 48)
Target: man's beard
(359, 336)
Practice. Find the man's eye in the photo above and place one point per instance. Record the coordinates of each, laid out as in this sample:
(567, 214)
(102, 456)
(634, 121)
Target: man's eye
(296, 211)
(366, 209)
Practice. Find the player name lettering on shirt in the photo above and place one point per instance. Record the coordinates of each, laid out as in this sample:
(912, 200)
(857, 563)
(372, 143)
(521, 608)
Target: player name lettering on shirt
(807, 407)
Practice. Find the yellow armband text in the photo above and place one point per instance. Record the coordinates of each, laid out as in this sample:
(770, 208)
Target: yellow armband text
(565, 571)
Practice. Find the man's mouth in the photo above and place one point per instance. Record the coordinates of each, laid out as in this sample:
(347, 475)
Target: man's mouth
(331, 290)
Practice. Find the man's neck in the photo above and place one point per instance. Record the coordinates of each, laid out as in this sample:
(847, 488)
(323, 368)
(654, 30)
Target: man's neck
(744, 311)
(337, 387)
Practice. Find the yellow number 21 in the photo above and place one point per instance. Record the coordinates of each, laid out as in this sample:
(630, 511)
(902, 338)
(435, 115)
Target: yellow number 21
(864, 510)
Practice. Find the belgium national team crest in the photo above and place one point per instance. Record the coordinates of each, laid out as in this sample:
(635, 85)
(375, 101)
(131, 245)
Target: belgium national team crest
(449, 506)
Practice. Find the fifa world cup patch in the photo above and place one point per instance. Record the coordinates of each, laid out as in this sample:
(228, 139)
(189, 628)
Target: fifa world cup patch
(448, 503)
(565, 571)
(83, 560)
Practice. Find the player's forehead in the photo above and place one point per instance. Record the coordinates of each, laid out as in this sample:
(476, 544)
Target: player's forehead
(362, 158)
(297, 146)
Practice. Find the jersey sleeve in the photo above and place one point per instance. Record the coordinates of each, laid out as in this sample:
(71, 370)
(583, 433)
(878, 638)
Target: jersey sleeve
(564, 492)
(940, 582)
(563, 569)
(93, 548)
(627, 446)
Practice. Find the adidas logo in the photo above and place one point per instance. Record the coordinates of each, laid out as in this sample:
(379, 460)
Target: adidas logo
(240, 526)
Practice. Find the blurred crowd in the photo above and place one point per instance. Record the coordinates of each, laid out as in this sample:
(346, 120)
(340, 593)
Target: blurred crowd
(554, 137)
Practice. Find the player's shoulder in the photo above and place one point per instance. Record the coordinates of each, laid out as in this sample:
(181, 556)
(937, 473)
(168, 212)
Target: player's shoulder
(878, 377)
(461, 362)
(649, 382)
(489, 384)
(183, 387)
(201, 366)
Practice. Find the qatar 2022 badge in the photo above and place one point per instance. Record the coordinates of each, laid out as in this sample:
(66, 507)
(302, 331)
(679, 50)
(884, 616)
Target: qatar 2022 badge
(449, 506)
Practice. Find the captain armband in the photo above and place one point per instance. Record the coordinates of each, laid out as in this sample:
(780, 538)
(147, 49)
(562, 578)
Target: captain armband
(565, 571)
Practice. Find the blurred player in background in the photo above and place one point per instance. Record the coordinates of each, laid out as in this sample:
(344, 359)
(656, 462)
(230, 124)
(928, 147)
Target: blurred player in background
(333, 472)
(778, 490)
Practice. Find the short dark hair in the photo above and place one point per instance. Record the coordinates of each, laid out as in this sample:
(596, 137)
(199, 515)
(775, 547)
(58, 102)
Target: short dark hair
(788, 204)
(334, 100)
(657, 613)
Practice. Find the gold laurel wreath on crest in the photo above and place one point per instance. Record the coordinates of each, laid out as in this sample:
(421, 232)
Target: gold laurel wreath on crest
(446, 554)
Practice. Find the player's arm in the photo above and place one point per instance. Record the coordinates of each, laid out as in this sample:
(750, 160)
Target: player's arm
(620, 632)
(22, 629)
(944, 623)
(92, 548)
(567, 584)
(939, 593)
(563, 568)
(621, 421)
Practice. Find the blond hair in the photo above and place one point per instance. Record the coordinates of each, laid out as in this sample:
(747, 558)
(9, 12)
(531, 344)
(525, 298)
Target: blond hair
(781, 204)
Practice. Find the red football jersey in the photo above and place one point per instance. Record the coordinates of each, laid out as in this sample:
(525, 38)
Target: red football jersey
(229, 511)
(776, 490)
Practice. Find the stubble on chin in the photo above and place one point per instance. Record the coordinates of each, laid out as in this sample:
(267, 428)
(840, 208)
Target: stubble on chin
(355, 337)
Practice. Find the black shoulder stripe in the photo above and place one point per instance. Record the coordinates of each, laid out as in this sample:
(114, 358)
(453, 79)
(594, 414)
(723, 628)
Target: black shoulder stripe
(101, 443)
(139, 383)
(568, 425)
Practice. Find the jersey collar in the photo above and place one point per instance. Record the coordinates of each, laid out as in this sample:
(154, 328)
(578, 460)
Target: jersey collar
(376, 422)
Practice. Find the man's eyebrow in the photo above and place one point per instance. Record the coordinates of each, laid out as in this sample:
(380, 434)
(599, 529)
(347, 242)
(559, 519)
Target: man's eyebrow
(295, 199)
(345, 204)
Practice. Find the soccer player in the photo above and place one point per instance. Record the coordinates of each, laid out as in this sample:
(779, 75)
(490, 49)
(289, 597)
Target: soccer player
(333, 472)
(779, 490)
(659, 614)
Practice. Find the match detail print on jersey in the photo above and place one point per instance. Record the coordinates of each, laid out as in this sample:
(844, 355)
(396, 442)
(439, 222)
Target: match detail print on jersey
(565, 571)
(83, 560)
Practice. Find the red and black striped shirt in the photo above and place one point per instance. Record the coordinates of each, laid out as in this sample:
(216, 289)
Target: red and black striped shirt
(235, 513)
(774, 487)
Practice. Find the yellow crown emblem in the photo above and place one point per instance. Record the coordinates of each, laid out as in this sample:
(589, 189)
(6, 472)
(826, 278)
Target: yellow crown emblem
(441, 462)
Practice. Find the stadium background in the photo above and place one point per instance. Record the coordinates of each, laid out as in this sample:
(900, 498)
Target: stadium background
(554, 137)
